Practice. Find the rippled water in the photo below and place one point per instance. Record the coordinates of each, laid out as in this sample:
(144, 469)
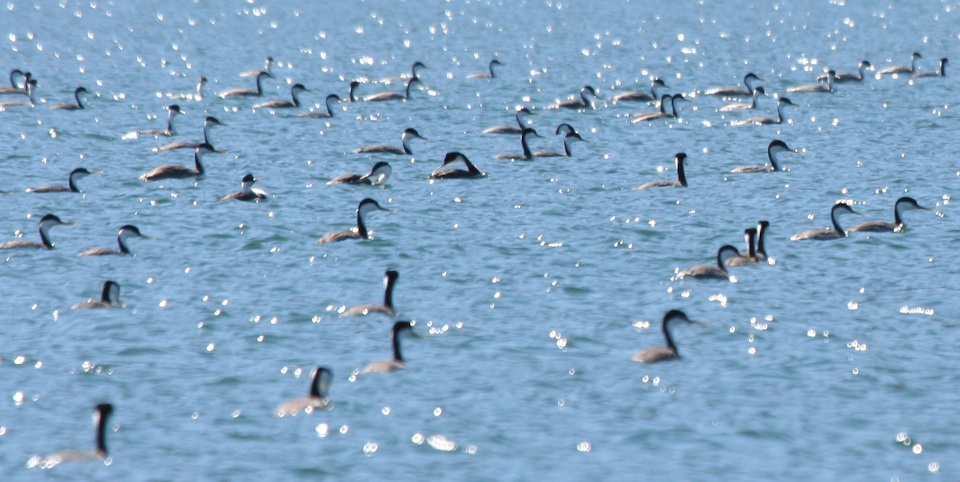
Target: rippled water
(531, 288)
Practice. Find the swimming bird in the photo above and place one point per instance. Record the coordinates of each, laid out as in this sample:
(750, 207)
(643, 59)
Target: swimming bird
(748, 81)
(840, 77)
(567, 140)
(267, 65)
(76, 96)
(241, 92)
(758, 92)
(384, 96)
(295, 91)
(680, 159)
(414, 74)
(317, 398)
(101, 413)
(409, 133)
(109, 298)
(46, 223)
(583, 103)
(174, 171)
(831, 75)
(172, 110)
(330, 100)
(662, 353)
(941, 71)
(209, 123)
(517, 129)
(14, 87)
(776, 147)
(378, 175)
(761, 252)
(781, 103)
(389, 280)
(352, 92)
(828, 233)
(30, 102)
(527, 154)
(360, 231)
(713, 271)
(452, 157)
(486, 75)
(662, 113)
(901, 69)
(905, 203)
(397, 363)
(125, 233)
(196, 95)
(634, 95)
(247, 192)
(750, 255)
(75, 175)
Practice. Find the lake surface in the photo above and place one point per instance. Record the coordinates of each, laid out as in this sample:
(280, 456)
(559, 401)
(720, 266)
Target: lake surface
(531, 288)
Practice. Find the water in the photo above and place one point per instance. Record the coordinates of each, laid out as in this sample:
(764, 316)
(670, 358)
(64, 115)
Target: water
(531, 288)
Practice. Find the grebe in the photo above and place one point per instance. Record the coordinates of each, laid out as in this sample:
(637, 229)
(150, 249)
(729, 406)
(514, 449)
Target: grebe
(452, 157)
(101, 414)
(109, 298)
(897, 226)
(197, 95)
(397, 363)
(775, 148)
(748, 81)
(247, 192)
(761, 251)
(389, 280)
(713, 271)
(486, 75)
(76, 96)
(565, 129)
(783, 102)
(75, 175)
(317, 398)
(248, 92)
(352, 92)
(14, 88)
(30, 102)
(680, 159)
(527, 154)
(46, 223)
(758, 92)
(583, 103)
(295, 91)
(749, 256)
(330, 100)
(208, 123)
(517, 129)
(408, 134)
(633, 95)
(901, 69)
(840, 77)
(173, 171)
(360, 231)
(662, 353)
(662, 113)
(567, 139)
(831, 75)
(267, 66)
(941, 72)
(378, 175)
(828, 233)
(126, 232)
(384, 96)
(414, 74)
(172, 110)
